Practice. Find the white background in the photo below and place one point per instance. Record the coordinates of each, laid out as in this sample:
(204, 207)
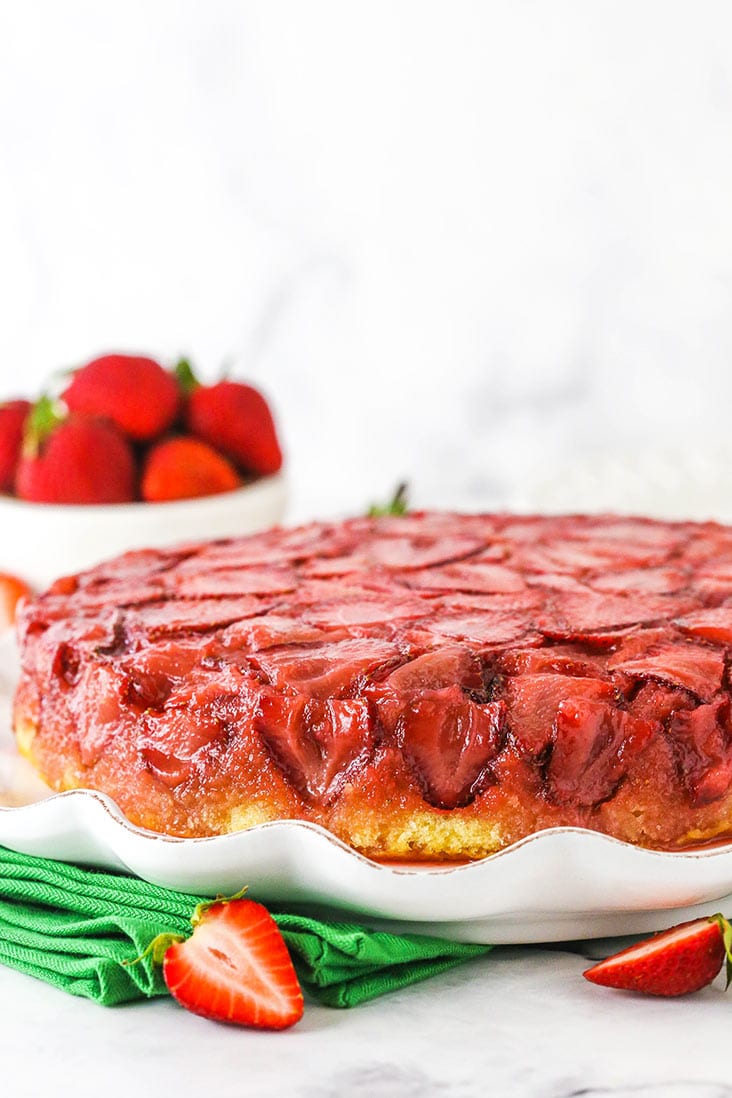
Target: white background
(465, 243)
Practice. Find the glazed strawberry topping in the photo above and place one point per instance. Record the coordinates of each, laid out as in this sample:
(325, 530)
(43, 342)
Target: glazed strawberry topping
(702, 744)
(317, 742)
(478, 576)
(454, 663)
(594, 743)
(588, 614)
(649, 581)
(654, 701)
(450, 741)
(451, 646)
(234, 581)
(191, 616)
(713, 625)
(325, 670)
(534, 702)
(433, 671)
(678, 663)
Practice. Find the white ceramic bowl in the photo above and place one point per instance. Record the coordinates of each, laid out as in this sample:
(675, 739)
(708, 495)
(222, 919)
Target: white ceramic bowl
(41, 541)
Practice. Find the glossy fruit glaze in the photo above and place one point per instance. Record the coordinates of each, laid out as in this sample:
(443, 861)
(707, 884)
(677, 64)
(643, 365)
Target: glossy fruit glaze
(431, 685)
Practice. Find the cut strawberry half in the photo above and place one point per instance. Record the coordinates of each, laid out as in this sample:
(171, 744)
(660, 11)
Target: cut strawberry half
(234, 968)
(675, 962)
(449, 742)
(319, 744)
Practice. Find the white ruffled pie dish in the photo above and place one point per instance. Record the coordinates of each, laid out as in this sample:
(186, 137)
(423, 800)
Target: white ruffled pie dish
(557, 885)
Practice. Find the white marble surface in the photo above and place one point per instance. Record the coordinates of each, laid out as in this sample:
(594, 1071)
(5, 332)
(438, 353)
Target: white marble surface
(474, 244)
(517, 1024)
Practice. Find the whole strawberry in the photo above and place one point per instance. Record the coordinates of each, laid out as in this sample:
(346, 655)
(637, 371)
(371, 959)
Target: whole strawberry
(74, 460)
(13, 415)
(134, 392)
(234, 418)
(183, 468)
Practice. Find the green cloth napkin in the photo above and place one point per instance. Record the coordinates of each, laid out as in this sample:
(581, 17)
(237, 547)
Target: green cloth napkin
(76, 927)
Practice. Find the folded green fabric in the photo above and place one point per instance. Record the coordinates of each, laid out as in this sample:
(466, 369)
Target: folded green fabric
(76, 928)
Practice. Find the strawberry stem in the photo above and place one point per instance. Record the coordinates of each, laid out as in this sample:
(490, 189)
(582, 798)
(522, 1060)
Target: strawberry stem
(45, 415)
(160, 945)
(202, 908)
(185, 376)
(726, 930)
(157, 948)
(398, 505)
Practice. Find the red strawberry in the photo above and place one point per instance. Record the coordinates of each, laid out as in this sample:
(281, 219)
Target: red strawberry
(12, 418)
(449, 742)
(683, 959)
(234, 418)
(181, 468)
(74, 460)
(317, 743)
(234, 968)
(12, 590)
(135, 393)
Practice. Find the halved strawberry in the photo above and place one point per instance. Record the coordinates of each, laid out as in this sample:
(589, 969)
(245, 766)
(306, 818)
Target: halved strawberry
(234, 968)
(694, 667)
(449, 742)
(683, 959)
(533, 703)
(701, 740)
(714, 624)
(592, 747)
(319, 744)
(327, 670)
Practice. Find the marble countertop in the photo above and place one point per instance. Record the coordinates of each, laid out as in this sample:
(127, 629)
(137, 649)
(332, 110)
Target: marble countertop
(520, 1023)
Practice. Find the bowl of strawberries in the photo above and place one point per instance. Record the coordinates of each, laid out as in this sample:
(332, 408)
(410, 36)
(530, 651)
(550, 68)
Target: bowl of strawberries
(129, 454)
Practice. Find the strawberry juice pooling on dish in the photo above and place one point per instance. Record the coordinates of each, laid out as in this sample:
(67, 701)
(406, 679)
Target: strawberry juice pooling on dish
(426, 686)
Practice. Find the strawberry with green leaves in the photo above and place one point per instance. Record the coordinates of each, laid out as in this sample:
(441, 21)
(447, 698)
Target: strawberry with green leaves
(73, 459)
(233, 418)
(675, 962)
(234, 968)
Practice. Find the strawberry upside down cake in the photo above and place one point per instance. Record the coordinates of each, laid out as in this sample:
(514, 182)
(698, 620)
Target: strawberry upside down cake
(425, 686)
